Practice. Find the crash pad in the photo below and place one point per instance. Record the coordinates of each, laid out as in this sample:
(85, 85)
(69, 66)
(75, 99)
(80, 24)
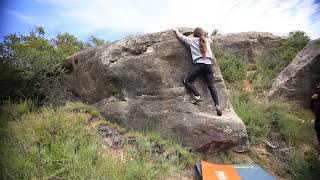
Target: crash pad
(210, 171)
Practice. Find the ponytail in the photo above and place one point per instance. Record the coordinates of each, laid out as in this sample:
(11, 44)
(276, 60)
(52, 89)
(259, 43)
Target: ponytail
(198, 32)
(203, 46)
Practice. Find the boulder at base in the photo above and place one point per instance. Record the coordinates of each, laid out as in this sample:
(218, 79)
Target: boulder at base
(299, 79)
(137, 83)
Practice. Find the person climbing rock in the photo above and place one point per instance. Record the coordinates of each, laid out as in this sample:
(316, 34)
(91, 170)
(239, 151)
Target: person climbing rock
(202, 64)
(315, 105)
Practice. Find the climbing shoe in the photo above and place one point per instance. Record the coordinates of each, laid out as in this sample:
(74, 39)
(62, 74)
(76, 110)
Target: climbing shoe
(196, 100)
(218, 109)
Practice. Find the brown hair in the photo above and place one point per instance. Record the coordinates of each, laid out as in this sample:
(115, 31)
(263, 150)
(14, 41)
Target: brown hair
(198, 32)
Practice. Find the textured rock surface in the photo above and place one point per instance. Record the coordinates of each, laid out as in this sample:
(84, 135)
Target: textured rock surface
(137, 82)
(246, 44)
(299, 79)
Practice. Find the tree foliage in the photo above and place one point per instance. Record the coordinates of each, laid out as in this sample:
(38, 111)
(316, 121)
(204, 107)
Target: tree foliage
(216, 32)
(94, 41)
(30, 63)
(289, 46)
(268, 66)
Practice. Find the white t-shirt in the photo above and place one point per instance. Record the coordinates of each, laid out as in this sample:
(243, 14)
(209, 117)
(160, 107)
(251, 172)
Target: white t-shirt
(193, 43)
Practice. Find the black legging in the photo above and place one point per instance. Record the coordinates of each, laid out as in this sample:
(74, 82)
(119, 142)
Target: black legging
(206, 70)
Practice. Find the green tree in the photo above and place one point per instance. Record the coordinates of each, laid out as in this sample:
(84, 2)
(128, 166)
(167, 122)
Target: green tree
(94, 41)
(23, 60)
(31, 64)
(66, 44)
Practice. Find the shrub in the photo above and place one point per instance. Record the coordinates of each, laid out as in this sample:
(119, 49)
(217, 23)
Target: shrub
(31, 65)
(268, 66)
(232, 68)
(262, 117)
(305, 166)
(289, 124)
(253, 114)
(290, 45)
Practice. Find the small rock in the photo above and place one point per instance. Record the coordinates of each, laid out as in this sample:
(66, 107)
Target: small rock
(173, 157)
(132, 140)
(107, 131)
(108, 141)
(117, 141)
(75, 110)
(158, 148)
(92, 117)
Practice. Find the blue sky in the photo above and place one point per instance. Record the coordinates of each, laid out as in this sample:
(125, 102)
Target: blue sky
(114, 19)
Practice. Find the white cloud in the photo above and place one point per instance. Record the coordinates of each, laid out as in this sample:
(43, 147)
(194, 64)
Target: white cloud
(276, 16)
(18, 15)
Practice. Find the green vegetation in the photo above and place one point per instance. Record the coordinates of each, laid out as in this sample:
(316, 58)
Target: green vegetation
(266, 68)
(30, 65)
(58, 142)
(54, 142)
(233, 68)
(262, 118)
(306, 166)
(47, 143)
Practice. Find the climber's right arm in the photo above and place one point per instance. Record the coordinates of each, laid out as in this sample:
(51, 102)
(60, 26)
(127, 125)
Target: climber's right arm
(183, 38)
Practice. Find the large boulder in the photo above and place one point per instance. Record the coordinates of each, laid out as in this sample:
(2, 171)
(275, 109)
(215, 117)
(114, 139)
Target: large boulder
(247, 45)
(137, 82)
(298, 80)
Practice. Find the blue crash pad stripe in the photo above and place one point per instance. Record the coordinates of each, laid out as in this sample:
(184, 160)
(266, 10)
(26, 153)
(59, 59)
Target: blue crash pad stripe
(252, 171)
(199, 170)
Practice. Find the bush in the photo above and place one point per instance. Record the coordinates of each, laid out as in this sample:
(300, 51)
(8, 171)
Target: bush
(305, 166)
(253, 114)
(268, 66)
(31, 65)
(262, 117)
(232, 68)
(290, 45)
(290, 124)
(29, 60)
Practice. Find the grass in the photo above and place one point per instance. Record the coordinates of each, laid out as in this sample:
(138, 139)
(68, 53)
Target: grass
(262, 117)
(305, 166)
(11, 111)
(293, 122)
(51, 143)
(58, 143)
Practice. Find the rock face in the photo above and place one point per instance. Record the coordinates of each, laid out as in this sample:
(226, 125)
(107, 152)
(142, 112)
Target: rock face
(247, 45)
(298, 80)
(137, 82)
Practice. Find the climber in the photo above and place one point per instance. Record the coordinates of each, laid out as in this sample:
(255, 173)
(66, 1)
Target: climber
(202, 64)
(315, 105)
